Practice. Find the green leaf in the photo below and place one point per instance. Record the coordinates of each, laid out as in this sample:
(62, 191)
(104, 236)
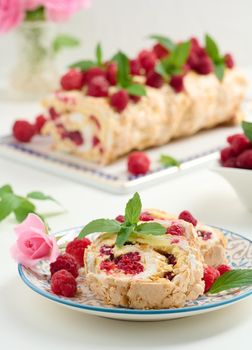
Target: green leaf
(40, 196)
(123, 235)
(136, 90)
(100, 225)
(212, 48)
(168, 161)
(123, 76)
(98, 52)
(232, 279)
(219, 70)
(63, 41)
(151, 228)
(133, 209)
(160, 69)
(164, 41)
(179, 56)
(37, 14)
(5, 189)
(25, 207)
(8, 204)
(247, 129)
(83, 65)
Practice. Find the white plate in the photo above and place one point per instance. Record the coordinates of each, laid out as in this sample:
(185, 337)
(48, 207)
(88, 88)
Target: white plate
(239, 255)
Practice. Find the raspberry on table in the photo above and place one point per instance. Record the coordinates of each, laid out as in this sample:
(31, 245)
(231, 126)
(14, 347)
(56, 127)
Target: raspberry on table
(98, 87)
(154, 79)
(138, 163)
(210, 276)
(187, 216)
(72, 80)
(244, 160)
(76, 249)
(64, 262)
(177, 83)
(119, 100)
(40, 122)
(176, 229)
(223, 268)
(63, 283)
(23, 131)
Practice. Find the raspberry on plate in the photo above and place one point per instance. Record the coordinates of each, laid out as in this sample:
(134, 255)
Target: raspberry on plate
(72, 80)
(138, 163)
(63, 283)
(244, 160)
(223, 268)
(64, 262)
(187, 216)
(23, 131)
(227, 153)
(240, 143)
(119, 100)
(210, 276)
(76, 248)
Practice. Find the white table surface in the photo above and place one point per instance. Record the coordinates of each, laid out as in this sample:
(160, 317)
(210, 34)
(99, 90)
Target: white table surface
(28, 321)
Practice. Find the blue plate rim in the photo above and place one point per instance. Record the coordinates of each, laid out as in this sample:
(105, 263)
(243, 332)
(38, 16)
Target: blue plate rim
(125, 311)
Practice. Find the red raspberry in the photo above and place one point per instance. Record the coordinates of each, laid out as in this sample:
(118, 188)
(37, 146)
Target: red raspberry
(227, 153)
(176, 229)
(146, 217)
(187, 216)
(120, 218)
(119, 100)
(98, 87)
(229, 61)
(204, 66)
(154, 80)
(231, 138)
(230, 163)
(169, 275)
(135, 98)
(111, 73)
(147, 60)
(53, 113)
(138, 163)
(240, 143)
(72, 80)
(223, 268)
(135, 67)
(129, 263)
(244, 160)
(205, 235)
(107, 250)
(64, 262)
(39, 123)
(177, 83)
(107, 265)
(160, 51)
(92, 73)
(210, 276)
(63, 283)
(195, 46)
(76, 249)
(23, 131)
(74, 136)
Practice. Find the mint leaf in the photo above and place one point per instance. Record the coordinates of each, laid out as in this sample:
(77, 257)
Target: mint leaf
(100, 225)
(123, 77)
(179, 56)
(123, 235)
(5, 189)
(219, 70)
(8, 204)
(83, 65)
(161, 69)
(164, 41)
(168, 161)
(40, 196)
(212, 48)
(25, 207)
(98, 52)
(133, 209)
(151, 228)
(136, 90)
(63, 41)
(247, 129)
(232, 279)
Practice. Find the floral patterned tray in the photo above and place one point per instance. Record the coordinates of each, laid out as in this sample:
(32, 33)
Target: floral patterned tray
(239, 255)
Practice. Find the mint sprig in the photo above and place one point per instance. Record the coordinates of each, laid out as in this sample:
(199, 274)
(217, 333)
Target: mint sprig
(247, 129)
(63, 41)
(84, 65)
(125, 229)
(164, 41)
(20, 206)
(232, 279)
(214, 53)
(168, 161)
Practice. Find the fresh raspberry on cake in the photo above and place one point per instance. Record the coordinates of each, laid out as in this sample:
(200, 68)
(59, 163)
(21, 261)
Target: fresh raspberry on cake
(111, 73)
(65, 262)
(138, 163)
(244, 160)
(223, 268)
(160, 51)
(145, 216)
(120, 218)
(76, 248)
(187, 216)
(154, 79)
(53, 113)
(135, 67)
(147, 60)
(176, 229)
(210, 276)
(93, 73)
(63, 283)
(72, 80)
(23, 131)
(119, 100)
(229, 61)
(204, 66)
(98, 87)
(40, 122)
(177, 83)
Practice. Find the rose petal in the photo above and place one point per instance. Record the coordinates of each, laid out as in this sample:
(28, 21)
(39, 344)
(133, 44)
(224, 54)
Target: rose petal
(55, 252)
(43, 251)
(29, 224)
(21, 258)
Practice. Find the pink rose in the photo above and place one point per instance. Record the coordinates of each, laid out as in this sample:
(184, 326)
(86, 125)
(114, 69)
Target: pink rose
(32, 4)
(11, 14)
(60, 10)
(33, 243)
